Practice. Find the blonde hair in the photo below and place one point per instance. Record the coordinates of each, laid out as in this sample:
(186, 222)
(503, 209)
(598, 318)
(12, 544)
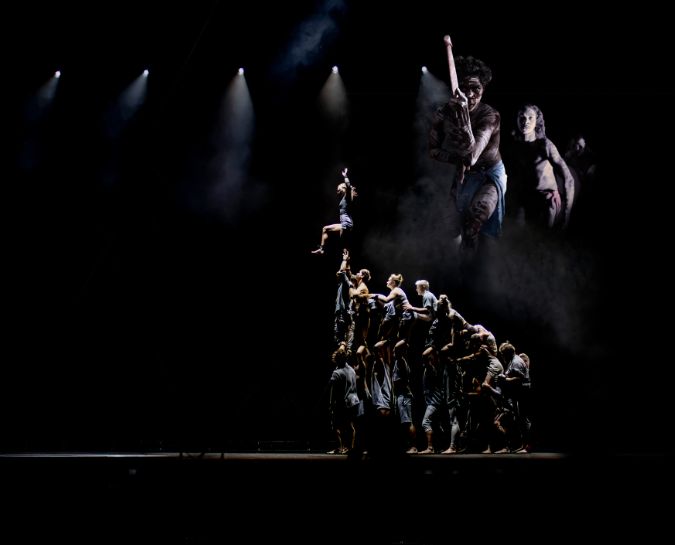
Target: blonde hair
(398, 278)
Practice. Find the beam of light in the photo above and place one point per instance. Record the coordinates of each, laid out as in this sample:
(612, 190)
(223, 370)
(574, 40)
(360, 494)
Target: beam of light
(240, 71)
(228, 170)
(126, 106)
(431, 94)
(333, 102)
(146, 73)
(41, 102)
(335, 69)
(424, 70)
(416, 236)
(36, 110)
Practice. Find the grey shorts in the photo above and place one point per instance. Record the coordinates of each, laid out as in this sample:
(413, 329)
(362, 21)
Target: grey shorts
(404, 406)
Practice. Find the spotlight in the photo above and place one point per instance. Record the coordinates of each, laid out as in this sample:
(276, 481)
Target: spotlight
(335, 69)
(240, 71)
(146, 72)
(424, 70)
(57, 74)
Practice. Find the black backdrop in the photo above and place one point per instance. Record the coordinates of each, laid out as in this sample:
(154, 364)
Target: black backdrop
(138, 317)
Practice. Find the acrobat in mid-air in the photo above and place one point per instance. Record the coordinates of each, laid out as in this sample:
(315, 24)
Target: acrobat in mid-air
(347, 193)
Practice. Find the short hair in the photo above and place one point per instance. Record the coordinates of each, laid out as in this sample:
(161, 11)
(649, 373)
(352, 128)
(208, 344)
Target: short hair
(340, 355)
(398, 278)
(472, 67)
(422, 283)
(365, 274)
(507, 349)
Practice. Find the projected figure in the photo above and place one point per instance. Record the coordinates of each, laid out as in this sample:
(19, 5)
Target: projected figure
(541, 182)
(580, 158)
(347, 193)
(465, 133)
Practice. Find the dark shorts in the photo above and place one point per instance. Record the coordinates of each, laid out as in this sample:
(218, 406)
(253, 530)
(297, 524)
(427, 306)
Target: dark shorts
(346, 222)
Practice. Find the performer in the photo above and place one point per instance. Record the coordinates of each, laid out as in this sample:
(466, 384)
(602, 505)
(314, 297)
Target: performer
(465, 133)
(536, 168)
(344, 400)
(347, 193)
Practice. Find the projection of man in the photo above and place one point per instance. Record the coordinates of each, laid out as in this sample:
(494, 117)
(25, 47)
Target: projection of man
(465, 133)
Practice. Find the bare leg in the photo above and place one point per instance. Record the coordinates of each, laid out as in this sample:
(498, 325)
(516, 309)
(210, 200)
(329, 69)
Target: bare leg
(454, 433)
(412, 437)
(430, 443)
(482, 207)
(335, 227)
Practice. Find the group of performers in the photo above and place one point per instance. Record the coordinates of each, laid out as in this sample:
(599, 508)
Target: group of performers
(475, 392)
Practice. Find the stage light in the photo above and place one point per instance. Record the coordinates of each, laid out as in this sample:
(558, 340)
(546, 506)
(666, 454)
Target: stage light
(146, 72)
(424, 70)
(240, 71)
(57, 74)
(335, 69)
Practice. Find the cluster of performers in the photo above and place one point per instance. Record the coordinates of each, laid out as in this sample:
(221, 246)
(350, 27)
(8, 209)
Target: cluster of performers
(475, 392)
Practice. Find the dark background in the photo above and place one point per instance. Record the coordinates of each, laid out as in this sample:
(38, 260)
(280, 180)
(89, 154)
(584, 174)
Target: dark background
(143, 315)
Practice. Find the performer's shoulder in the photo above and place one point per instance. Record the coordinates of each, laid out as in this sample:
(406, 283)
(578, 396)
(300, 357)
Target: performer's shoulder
(487, 110)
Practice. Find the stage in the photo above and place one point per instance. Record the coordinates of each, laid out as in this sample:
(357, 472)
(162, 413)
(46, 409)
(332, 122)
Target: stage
(252, 497)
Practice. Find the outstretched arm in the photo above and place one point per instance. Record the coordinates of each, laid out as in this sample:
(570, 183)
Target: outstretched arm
(392, 295)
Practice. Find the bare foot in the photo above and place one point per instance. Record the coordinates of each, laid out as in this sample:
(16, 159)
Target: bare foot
(429, 450)
(318, 251)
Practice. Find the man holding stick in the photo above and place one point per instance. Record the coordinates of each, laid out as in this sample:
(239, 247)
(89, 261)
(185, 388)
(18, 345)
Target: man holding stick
(465, 133)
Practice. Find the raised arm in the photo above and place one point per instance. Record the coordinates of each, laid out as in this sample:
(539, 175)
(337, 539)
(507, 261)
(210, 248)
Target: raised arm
(344, 265)
(350, 189)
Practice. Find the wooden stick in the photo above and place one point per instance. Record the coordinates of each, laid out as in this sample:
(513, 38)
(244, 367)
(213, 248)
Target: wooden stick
(454, 84)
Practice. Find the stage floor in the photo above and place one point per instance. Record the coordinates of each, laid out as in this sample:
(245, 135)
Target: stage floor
(304, 497)
(262, 456)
